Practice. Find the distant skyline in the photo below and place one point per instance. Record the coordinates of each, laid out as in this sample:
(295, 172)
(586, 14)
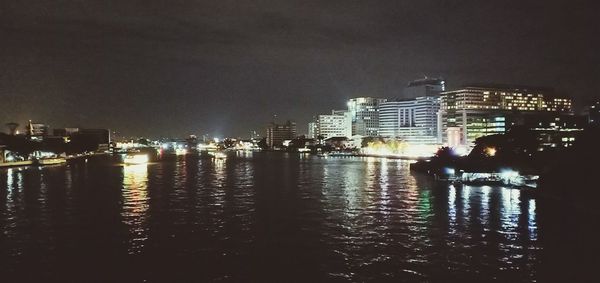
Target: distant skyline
(224, 68)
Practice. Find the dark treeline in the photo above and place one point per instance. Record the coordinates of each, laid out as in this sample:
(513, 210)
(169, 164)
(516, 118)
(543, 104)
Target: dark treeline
(565, 173)
(24, 146)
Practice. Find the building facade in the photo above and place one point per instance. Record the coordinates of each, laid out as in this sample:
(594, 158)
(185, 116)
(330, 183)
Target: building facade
(37, 129)
(552, 130)
(412, 120)
(312, 129)
(483, 110)
(364, 114)
(278, 133)
(336, 124)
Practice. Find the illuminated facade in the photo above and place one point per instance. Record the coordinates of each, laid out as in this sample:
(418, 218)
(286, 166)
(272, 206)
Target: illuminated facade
(37, 129)
(552, 130)
(312, 130)
(364, 115)
(480, 111)
(336, 124)
(412, 120)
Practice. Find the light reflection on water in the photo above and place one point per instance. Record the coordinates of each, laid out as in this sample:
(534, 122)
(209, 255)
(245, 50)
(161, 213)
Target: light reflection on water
(263, 216)
(135, 205)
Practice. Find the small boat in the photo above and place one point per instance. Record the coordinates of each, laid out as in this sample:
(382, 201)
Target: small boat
(136, 159)
(50, 161)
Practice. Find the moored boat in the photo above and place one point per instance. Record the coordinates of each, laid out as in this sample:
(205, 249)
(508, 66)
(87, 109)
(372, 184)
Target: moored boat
(50, 161)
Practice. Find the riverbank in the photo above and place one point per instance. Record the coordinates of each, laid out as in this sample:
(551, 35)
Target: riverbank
(51, 161)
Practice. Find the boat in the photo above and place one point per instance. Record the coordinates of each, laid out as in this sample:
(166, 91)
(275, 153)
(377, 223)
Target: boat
(133, 159)
(50, 161)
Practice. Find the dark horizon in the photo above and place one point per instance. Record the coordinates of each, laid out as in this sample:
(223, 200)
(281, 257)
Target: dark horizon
(224, 68)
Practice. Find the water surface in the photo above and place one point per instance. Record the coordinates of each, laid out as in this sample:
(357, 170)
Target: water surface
(279, 217)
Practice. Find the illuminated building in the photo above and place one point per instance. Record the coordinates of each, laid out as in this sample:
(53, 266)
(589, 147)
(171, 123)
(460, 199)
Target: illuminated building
(552, 130)
(278, 133)
(483, 110)
(424, 87)
(336, 124)
(312, 130)
(37, 129)
(411, 120)
(364, 115)
(593, 113)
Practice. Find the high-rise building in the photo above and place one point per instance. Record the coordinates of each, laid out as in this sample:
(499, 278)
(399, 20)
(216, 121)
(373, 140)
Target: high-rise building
(336, 124)
(412, 120)
(278, 133)
(364, 115)
(483, 110)
(593, 113)
(312, 130)
(424, 87)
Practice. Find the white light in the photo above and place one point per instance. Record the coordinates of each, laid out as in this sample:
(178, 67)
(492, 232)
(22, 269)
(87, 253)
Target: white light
(136, 159)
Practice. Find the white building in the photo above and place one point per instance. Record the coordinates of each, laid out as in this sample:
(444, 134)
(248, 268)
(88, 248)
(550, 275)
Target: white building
(411, 120)
(364, 112)
(312, 130)
(336, 124)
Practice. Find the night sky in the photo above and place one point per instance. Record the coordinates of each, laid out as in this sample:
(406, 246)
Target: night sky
(172, 68)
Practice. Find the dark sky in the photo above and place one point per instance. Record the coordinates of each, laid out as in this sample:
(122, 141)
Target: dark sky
(171, 68)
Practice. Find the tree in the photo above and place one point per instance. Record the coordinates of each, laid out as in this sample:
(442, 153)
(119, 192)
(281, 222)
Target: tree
(262, 144)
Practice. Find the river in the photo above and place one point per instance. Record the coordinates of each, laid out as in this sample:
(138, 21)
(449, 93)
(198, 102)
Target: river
(280, 217)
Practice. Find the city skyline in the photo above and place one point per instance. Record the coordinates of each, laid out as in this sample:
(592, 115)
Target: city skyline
(222, 70)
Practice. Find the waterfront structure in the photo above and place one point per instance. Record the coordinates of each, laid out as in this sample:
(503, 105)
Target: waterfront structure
(364, 115)
(336, 124)
(278, 133)
(424, 87)
(483, 110)
(411, 120)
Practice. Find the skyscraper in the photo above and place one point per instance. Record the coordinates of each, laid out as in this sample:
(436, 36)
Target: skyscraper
(312, 129)
(424, 87)
(412, 120)
(364, 112)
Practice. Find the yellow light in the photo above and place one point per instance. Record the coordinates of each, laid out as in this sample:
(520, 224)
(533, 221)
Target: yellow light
(490, 151)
